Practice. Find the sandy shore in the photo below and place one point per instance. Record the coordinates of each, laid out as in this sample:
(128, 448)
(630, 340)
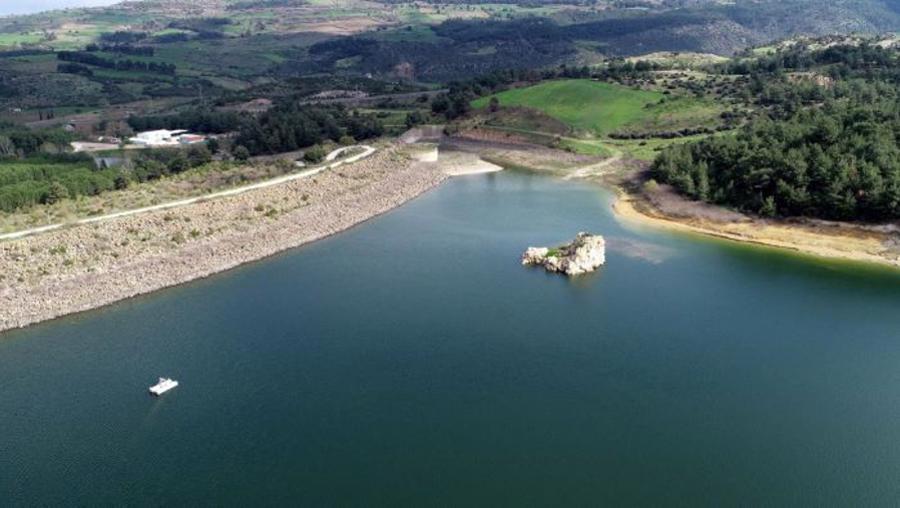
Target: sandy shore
(839, 242)
(463, 164)
(93, 265)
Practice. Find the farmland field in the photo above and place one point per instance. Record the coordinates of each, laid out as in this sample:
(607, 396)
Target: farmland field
(586, 105)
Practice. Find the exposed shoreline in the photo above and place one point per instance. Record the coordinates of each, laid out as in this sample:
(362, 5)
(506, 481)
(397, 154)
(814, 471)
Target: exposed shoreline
(842, 243)
(878, 245)
(88, 266)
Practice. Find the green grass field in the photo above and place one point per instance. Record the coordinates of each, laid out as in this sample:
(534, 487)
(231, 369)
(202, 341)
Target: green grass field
(676, 113)
(14, 39)
(586, 105)
(585, 147)
(648, 149)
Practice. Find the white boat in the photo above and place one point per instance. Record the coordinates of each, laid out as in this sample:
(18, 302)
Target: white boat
(165, 384)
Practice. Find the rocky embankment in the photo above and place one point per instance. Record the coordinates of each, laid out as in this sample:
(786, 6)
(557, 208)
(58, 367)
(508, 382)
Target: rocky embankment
(584, 254)
(89, 266)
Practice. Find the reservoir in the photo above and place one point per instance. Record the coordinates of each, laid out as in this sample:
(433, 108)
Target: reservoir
(413, 361)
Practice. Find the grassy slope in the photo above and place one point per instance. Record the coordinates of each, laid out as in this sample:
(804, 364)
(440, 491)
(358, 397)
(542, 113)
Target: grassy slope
(599, 109)
(586, 105)
(676, 113)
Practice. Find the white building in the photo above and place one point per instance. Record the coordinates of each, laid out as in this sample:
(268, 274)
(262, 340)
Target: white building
(158, 138)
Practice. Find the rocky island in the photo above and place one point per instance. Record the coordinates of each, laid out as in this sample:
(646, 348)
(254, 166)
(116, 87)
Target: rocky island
(584, 254)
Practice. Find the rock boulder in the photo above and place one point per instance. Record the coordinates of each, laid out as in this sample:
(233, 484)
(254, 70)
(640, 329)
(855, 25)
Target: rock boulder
(584, 254)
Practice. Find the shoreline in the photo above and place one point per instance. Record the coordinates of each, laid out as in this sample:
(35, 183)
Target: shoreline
(874, 245)
(88, 266)
(843, 246)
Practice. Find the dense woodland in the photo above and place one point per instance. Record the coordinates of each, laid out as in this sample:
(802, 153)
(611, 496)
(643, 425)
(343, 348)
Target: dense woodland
(47, 179)
(20, 142)
(125, 49)
(90, 58)
(528, 43)
(820, 151)
(291, 125)
(196, 120)
(537, 42)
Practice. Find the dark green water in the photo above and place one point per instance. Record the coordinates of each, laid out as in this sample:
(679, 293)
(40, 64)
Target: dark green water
(412, 361)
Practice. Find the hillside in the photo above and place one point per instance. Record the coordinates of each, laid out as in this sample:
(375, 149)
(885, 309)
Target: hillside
(440, 41)
(585, 105)
(596, 109)
(98, 66)
(824, 145)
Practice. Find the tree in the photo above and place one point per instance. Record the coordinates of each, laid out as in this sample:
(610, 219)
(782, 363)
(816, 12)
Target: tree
(701, 179)
(178, 163)
(56, 192)
(494, 104)
(149, 169)
(198, 155)
(7, 147)
(768, 209)
(414, 118)
(241, 153)
(440, 104)
(459, 106)
(121, 182)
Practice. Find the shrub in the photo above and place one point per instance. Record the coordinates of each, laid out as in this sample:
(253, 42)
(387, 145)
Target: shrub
(314, 154)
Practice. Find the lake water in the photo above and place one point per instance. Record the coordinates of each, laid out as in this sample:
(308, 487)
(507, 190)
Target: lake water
(412, 361)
